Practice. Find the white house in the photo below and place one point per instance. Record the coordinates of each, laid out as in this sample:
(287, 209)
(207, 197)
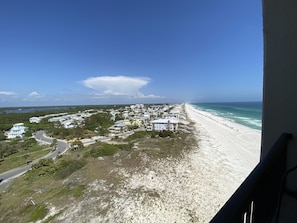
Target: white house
(17, 130)
(34, 119)
(118, 126)
(146, 116)
(125, 114)
(165, 124)
(171, 115)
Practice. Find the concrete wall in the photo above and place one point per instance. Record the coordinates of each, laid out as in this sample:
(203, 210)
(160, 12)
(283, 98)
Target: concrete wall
(280, 73)
(280, 88)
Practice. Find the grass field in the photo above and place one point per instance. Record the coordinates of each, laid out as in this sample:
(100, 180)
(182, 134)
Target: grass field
(21, 158)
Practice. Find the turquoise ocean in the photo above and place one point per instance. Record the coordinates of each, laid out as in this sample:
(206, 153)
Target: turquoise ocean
(244, 113)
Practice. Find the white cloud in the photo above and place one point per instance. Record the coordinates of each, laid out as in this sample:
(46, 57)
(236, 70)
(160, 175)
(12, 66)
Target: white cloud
(117, 85)
(34, 94)
(7, 93)
(152, 96)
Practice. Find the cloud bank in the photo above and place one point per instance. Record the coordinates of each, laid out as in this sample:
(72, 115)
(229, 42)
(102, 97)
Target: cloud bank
(118, 86)
(7, 93)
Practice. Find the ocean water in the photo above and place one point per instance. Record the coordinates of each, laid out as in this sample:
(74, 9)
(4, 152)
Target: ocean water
(244, 113)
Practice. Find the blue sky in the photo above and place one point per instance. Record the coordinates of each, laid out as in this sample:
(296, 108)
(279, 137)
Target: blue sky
(70, 52)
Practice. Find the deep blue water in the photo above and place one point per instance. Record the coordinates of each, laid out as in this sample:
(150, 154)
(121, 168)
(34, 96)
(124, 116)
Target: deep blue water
(244, 113)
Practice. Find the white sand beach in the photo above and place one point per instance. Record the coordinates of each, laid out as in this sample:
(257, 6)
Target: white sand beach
(226, 142)
(191, 189)
(230, 150)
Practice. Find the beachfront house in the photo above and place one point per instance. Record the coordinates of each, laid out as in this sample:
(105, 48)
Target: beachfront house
(17, 130)
(165, 124)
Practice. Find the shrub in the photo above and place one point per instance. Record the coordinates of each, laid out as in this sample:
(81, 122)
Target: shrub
(78, 191)
(165, 133)
(77, 145)
(107, 150)
(138, 135)
(69, 166)
(43, 163)
(44, 166)
(127, 146)
(38, 213)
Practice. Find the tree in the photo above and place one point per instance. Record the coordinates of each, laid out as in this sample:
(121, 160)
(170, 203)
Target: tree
(2, 136)
(77, 145)
(28, 133)
(165, 133)
(54, 143)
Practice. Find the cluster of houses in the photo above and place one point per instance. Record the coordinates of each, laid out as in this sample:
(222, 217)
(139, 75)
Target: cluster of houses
(142, 117)
(149, 117)
(66, 120)
(73, 120)
(38, 119)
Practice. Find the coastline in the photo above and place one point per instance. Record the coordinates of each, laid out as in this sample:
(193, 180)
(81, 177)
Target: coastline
(239, 142)
(232, 150)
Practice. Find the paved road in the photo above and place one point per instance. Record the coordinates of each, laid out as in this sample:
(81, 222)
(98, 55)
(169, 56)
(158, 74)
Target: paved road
(62, 146)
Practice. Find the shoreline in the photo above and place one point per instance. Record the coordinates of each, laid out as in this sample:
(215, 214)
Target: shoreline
(231, 148)
(229, 134)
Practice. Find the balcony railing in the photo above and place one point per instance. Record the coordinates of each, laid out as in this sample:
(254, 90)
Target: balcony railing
(257, 199)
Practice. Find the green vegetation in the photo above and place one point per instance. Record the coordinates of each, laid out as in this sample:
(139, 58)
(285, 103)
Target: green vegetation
(66, 167)
(7, 120)
(152, 134)
(77, 145)
(57, 131)
(166, 133)
(72, 191)
(44, 166)
(100, 122)
(61, 168)
(54, 143)
(38, 213)
(139, 135)
(102, 149)
(16, 153)
(14, 146)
